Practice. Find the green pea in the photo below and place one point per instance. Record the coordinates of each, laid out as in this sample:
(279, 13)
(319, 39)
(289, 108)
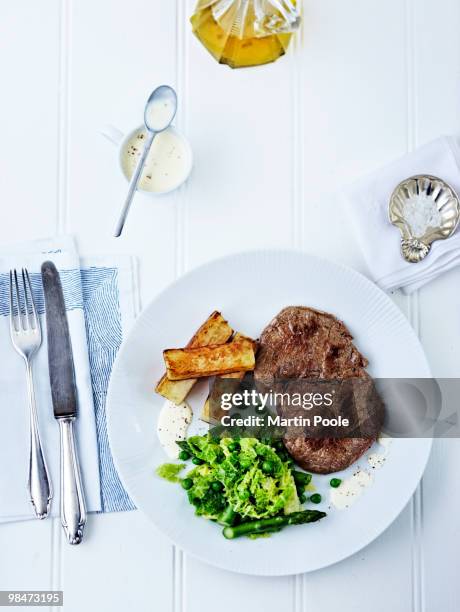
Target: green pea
(217, 486)
(335, 482)
(301, 478)
(184, 455)
(187, 483)
(197, 461)
(302, 498)
(267, 467)
(315, 498)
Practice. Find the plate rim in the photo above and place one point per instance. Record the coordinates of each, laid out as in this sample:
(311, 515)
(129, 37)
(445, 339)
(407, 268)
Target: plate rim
(277, 252)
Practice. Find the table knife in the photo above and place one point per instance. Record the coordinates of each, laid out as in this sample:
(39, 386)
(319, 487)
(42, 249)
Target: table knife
(64, 397)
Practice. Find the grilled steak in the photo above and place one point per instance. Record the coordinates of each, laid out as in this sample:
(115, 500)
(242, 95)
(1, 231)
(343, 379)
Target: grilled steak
(303, 343)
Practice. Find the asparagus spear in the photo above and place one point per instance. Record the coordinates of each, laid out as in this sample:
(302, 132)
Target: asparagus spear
(270, 524)
(228, 517)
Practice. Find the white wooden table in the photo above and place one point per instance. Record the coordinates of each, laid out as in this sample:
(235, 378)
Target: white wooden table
(364, 82)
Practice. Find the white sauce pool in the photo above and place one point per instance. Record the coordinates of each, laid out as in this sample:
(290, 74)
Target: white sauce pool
(350, 489)
(167, 163)
(376, 460)
(173, 423)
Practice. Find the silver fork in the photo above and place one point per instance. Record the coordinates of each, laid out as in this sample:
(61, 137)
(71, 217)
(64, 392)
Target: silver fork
(26, 336)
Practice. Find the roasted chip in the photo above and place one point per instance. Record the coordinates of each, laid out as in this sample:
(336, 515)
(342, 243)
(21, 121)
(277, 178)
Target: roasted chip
(235, 356)
(215, 330)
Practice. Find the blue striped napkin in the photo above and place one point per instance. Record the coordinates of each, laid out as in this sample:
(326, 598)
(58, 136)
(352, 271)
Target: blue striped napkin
(103, 302)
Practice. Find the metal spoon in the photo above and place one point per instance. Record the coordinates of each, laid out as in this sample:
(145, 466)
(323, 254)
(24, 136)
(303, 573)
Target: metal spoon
(159, 112)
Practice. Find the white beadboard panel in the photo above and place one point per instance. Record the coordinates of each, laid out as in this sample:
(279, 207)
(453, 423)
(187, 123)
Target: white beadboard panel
(123, 564)
(437, 43)
(25, 559)
(438, 94)
(353, 92)
(440, 324)
(343, 92)
(367, 580)
(205, 585)
(29, 65)
(441, 528)
(117, 54)
(241, 128)
(438, 111)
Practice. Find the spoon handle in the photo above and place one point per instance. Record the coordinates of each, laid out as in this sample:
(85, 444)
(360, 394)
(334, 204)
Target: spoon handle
(133, 184)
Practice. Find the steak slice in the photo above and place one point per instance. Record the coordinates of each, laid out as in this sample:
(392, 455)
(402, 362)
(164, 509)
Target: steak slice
(303, 343)
(327, 455)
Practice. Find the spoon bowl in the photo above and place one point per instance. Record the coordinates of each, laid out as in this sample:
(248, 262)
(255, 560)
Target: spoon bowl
(160, 109)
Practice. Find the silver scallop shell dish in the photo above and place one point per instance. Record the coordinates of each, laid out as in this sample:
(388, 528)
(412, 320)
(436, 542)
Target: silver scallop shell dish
(424, 208)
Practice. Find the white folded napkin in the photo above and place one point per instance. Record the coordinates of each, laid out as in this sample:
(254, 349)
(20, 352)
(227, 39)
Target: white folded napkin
(367, 203)
(14, 421)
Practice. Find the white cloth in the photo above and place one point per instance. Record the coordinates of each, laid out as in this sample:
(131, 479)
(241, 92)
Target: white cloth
(14, 428)
(367, 201)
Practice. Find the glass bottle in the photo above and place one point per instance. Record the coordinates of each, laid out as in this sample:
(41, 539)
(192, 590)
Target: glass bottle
(244, 33)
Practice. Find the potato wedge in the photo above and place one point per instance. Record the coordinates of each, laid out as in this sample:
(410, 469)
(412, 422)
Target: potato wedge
(175, 391)
(235, 356)
(215, 330)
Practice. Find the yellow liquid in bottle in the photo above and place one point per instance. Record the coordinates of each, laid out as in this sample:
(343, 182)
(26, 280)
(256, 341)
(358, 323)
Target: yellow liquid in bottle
(235, 51)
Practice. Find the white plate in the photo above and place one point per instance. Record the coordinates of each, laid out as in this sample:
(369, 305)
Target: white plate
(249, 289)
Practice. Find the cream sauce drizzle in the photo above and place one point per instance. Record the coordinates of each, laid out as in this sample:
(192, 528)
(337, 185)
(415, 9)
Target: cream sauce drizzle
(173, 423)
(351, 489)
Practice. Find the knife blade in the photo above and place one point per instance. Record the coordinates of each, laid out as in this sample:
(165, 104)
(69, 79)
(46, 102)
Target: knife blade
(65, 402)
(60, 356)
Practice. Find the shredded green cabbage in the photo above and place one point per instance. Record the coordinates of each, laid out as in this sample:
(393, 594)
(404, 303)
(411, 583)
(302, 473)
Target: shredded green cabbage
(170, 471)
(244, 485)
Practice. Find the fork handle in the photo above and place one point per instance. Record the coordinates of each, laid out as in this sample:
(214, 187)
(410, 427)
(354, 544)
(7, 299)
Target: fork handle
(39, 482)
(73, 510)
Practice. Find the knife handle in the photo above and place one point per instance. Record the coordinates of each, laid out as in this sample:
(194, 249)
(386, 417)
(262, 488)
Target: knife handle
(73, 510)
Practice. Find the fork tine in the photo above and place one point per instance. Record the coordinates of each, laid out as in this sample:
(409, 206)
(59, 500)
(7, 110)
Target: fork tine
(27, 317)
(18, 302)
(28, 297)
(12, 316)
(34, 317)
